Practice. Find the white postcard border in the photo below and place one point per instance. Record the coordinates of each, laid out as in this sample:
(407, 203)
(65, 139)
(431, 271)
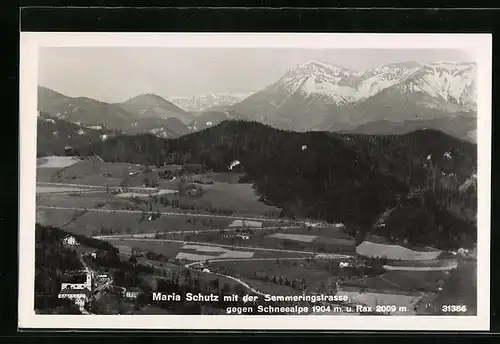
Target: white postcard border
(478, 44)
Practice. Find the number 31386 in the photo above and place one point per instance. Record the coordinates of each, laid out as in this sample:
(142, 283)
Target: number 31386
(454, 308)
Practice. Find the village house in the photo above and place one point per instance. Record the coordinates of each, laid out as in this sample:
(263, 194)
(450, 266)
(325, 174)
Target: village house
(79, 296)
(69, 240)
(77, 281)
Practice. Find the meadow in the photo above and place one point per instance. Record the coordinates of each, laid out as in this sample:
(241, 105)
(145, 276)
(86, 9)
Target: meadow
(403, 281)
(383, 299)
(393, 252)
(460, 288)
(93, 223)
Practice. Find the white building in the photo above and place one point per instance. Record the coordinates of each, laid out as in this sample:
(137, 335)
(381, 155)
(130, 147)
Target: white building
(132, 294)
(69, 240)
(79, 296)
(78, 282)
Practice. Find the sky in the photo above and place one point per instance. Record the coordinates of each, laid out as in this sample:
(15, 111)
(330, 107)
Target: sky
(117, 74)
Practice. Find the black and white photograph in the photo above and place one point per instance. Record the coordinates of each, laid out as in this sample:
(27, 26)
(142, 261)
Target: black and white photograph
(257, 180)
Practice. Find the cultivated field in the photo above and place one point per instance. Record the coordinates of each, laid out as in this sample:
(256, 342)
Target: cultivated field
(46, 174)
(423, 263)
(313, 239)
(172, 249)
(49, 217)
(96, 173)
(88, 199)
(294, 237)
(265, 254)
(167, 249)
(393, 252)
(445, 265)
(260, 238)
(127, 223)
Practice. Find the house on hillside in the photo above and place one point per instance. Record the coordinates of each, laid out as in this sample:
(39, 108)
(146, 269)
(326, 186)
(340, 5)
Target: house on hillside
(246, 223)
(79, 296)
(69, 240)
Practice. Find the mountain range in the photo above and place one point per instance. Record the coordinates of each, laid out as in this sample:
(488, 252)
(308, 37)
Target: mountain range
(395, 98)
